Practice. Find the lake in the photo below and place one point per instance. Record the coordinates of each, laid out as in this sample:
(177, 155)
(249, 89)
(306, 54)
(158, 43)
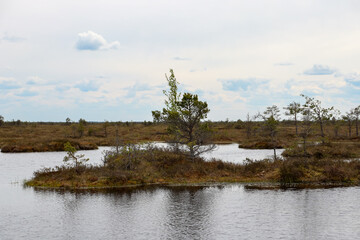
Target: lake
(228, 211)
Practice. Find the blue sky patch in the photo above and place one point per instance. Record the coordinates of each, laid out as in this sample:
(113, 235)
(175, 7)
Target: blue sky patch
(319, 70)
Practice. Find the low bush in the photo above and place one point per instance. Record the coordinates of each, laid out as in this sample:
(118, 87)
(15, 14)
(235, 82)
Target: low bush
(291, 171)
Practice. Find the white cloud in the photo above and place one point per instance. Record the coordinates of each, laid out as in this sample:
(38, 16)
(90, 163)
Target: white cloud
(352, 77)
(93, 41)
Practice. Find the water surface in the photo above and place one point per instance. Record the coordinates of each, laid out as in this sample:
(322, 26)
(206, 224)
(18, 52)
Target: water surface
(216, 212)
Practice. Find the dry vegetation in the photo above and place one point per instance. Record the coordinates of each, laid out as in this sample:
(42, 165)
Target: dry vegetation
(28, 137)
(133, 166)
(333, 162)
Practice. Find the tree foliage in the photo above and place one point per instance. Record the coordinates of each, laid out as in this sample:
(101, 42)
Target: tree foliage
(72, 159)
(184, 114)
(350, 117)
(271, 117)
(293, 109)
(318, 113)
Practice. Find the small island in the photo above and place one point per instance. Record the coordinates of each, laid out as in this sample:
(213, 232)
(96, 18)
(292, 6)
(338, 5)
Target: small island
(304, 163)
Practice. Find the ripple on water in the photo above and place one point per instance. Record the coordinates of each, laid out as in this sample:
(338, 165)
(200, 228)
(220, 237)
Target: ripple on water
(226, 212)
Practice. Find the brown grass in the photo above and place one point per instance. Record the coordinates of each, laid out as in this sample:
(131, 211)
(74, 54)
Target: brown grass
(44, 136)
(155, 165)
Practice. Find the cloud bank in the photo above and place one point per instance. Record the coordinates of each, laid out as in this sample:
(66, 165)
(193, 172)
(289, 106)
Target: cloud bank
(93, 41)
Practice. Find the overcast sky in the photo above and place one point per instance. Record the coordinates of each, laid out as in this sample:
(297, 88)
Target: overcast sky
(107, 59)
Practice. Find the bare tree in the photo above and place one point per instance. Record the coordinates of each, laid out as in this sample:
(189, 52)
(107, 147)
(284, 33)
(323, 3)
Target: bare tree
(356, 116)
(306, 128)
(248, 125)
(335, 121)
(319, 113)
(105, 126)
(349, 118)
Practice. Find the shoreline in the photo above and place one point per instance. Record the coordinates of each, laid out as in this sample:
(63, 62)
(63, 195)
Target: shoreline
(249, 185)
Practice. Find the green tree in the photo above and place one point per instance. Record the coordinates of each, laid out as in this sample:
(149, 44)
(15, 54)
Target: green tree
(172, 97)
(271, 119)
(293, 109)
(68, 121)
(187, 124)
(319, 113)
(81, 127)
(82, 121)
(72, 159)
(184, 118)
(1, 120)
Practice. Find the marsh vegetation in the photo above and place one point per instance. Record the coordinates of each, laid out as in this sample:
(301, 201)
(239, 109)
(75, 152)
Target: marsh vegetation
(319, 147)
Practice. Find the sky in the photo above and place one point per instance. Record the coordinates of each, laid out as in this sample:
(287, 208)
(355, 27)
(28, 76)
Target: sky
(107, 60)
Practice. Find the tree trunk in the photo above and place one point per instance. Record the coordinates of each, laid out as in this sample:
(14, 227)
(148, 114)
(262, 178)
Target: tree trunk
(296, 126)
(349, 124)
(274, 143)
(322, 132)
(192, 153)
(117, 142)
(274, 153)
(304, 145)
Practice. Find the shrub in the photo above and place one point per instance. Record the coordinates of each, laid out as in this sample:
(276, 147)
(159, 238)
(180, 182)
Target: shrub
(76, 161)
(291, 171)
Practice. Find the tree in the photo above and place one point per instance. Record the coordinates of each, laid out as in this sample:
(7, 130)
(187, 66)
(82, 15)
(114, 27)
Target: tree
(82, 121)
(68, 121)
(72, 159)
(349, 118)
(356, 116)
(184, 118)
(105, 126)
(187, 124)
(293, 109)
(319, 113)
(248, 125)
(1, 120)
(271, 118)
(306, 128)
(171, 107)
(172, 98)
(336, 122)
(81, 127)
